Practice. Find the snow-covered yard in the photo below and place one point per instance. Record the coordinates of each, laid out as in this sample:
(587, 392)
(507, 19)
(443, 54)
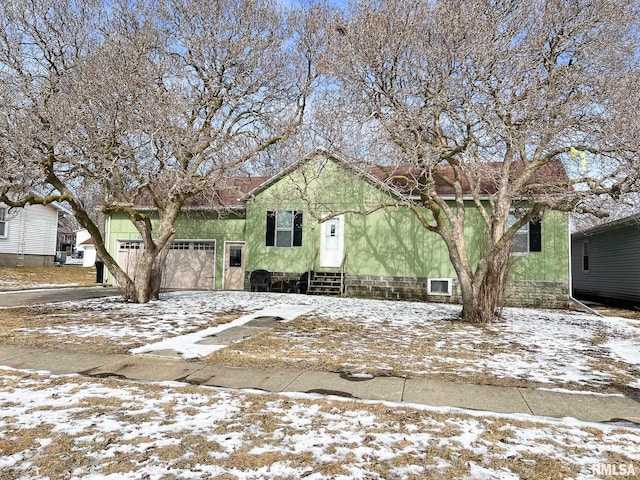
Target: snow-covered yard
(534, 348)
(71, 427)
(74, 427)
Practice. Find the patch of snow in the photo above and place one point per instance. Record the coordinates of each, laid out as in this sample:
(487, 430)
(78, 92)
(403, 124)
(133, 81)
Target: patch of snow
(188, 347)
(626, 350)
(580, 392)
(547, 346)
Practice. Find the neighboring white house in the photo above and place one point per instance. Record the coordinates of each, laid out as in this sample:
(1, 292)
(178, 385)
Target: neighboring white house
(28, 235)
(84, 243)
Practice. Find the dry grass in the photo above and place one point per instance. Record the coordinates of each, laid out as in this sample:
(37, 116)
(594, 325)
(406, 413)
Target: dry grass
(20, 325)
(346, 346)
(268, 422)
(14, 320)
(306, 343)
(617, 312)
(25, 277)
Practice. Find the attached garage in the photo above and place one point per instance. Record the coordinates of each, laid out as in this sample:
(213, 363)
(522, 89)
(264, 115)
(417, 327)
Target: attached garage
(190, 263)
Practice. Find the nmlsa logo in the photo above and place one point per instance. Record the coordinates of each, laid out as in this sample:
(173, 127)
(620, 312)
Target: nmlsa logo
(613, 469)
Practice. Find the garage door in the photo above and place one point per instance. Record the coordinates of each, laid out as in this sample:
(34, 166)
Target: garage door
(190, 264)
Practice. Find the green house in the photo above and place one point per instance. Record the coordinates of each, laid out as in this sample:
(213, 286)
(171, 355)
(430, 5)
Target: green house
(323, 215)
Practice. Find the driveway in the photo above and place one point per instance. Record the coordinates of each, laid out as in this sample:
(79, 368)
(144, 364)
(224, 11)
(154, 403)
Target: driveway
(16, 298)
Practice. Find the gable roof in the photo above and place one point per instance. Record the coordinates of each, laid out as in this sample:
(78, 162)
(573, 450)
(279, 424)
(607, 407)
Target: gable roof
(228, 193)
(401, 181)
(320, 151)
(630, 221)
(405, 178)
(55, 205)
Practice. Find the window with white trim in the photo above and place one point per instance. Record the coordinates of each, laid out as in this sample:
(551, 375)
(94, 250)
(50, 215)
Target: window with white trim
(528, 238)
(520, 238)
(284, 229)
(3, 222)
(440, 286)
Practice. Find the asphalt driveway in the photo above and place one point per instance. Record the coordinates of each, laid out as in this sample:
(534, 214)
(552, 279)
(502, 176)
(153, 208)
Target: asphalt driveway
(14, 298)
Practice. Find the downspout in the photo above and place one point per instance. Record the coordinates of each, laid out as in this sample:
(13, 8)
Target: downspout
(107, 234)
(571, 297)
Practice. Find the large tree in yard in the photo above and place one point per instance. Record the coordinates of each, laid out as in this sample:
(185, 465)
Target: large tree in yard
(495, 100)
(148, 103)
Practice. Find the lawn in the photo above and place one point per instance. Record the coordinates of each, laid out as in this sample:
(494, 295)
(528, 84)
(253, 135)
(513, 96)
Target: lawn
(529, 348)
(37, 277)
(73, 427)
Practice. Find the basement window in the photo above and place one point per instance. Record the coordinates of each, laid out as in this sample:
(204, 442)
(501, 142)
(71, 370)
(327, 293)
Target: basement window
(440, 286)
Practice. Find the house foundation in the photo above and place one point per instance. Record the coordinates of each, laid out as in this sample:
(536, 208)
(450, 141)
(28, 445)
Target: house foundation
(11, 260)
(537, 294)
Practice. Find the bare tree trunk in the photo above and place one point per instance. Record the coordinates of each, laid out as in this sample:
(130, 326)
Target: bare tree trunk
(484, 294)
(148, 277)
(157, 272)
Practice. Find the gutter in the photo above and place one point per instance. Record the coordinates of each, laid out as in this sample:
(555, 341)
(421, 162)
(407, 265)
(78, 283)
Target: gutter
(571, 297)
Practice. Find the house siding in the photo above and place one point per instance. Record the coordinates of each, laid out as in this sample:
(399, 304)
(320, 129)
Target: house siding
(40, 224)
(389, 253)
(388, 242)
(190, 225)
(614, 264)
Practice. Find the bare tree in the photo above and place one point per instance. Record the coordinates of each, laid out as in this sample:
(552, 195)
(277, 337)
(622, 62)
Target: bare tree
(491, 102)
(153, 102)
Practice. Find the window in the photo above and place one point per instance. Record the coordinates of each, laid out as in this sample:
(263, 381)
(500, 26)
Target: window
(585, 255)
(439, 286)
(528, 238)
(3, 222)
(130, 245)
(235, 256)
(179, 246)
(207, 246)
(284, 229)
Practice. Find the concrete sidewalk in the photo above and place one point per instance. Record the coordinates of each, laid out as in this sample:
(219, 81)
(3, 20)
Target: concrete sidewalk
(598, 408)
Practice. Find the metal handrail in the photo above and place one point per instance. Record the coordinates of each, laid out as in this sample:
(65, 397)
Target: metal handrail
(311, 267)
(343, 269)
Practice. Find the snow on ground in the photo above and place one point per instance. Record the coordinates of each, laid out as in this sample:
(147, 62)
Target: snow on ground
(72, 427)
(550, 347)
(188, 345)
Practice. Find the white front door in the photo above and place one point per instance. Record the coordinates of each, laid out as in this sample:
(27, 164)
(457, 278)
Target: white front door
(332, 242)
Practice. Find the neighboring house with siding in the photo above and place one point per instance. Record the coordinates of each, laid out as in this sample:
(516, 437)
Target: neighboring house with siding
(306, 219)
(605, 262)
(85, 246)
(28, 235)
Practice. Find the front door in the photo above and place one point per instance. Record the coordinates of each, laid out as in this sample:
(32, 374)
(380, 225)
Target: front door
(234, 266)
(332, 242)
